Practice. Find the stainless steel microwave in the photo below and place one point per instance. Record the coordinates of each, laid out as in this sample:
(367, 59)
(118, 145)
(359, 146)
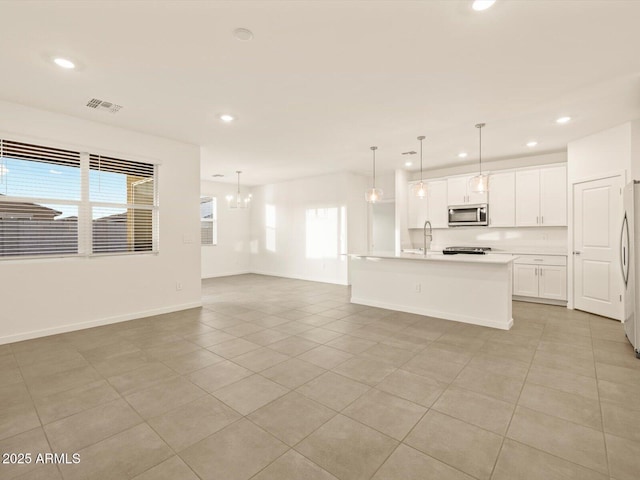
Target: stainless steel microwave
(468, 215)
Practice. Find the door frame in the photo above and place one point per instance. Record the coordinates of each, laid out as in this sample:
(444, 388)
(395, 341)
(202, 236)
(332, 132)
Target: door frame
(571, 224)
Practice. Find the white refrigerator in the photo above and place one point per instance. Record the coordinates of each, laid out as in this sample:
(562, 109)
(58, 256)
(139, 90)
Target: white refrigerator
(630, 263)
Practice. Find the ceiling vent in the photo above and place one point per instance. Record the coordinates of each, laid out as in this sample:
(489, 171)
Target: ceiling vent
(102, 105)
(411, 152)
(217, 175)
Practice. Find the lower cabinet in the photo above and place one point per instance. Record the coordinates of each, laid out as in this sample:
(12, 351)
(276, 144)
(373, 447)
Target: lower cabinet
(540, 276)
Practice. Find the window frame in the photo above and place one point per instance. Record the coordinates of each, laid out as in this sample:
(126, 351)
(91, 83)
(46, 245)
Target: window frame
(213, 221)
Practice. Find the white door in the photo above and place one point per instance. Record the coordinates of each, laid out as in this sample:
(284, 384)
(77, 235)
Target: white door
(457, 190)
(598, 285)
(502, 199)
(552, 281)
(553, 196)
(528, 198)
(438, 206)
(525, 280)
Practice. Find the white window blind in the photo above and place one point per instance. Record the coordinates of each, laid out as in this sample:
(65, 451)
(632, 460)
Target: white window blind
(208, 221)
(60, 202)
(40, 194)
(123, 205)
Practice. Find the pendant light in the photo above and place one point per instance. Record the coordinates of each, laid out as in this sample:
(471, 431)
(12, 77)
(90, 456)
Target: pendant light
(479, 183)
(237, 200)
(420, 189)
(373, 194)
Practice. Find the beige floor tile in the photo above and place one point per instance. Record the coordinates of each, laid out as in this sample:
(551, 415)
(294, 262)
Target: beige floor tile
(210, 338)
(454, 442)
(172, 349)
(34, 442)
(61, 381)
(620, 393)
(391, 415)
(121, 364)
(250, 393)
(352, 345)
(266, 337)
(291, 417)
(320, 335)
(365, 369)
(333, 390)
(433, 367)
(293, 346)
(41, 472)
(164, 396)
(616, 374)
(192, 361)
(260, 359)
(480, 410)
(190, 423)
(621, 421)
(233, 348)
(500, 365)
(347, 449)
(69, 402)
(141, 378)
(492, 384)
(171, 469)
(293, 466)
(624, 457)
(293, 328)
(396, 356)
(421, 390)
(218, 375)
(563, 381)
(407, 463)
(573, 442)
(237, 452)
(120, 457)
(17, 419)
(12, 395)
(325, 357)
(518, 461)
(566, 363)
(110, 350)
(78, 431)
(293, 372)
(575, 408)
(243, 329)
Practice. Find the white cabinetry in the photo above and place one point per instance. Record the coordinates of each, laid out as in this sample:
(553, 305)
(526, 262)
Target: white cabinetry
(540, 276)
(458, 192)
(432, 208)
(502, 199)
(541, 197)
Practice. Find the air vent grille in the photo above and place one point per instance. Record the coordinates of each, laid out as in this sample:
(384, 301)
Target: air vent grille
(102, 105)
(411, 152)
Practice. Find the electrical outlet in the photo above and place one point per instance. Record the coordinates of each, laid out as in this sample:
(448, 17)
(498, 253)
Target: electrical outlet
(178, 286)
(417, 288)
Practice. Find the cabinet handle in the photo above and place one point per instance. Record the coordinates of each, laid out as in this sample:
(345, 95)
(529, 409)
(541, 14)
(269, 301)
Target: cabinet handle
(536, 271)
(541, 272)
(542, 220)
(537, 220)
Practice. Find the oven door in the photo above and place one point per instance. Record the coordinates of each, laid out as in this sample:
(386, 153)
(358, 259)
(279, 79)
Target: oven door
(465, 215)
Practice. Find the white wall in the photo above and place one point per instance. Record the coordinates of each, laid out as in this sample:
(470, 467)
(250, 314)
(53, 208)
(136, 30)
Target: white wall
(231, 254)
(45, 296)
(291, 200)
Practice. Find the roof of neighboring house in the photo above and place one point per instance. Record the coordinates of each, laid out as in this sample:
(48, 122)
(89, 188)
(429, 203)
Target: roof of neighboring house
(29, 209)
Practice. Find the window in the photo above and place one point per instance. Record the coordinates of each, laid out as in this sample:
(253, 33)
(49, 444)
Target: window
(208, 221)
(61, 202)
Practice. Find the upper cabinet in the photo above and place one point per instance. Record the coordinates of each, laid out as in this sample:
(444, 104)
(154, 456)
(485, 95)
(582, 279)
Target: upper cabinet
(502, 199)
(458, 192)
(432, 208)
(541, 197)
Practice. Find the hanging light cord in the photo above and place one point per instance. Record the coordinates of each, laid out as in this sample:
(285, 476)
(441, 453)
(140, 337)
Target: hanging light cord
(238, 172)
(421, 138)
(479, 127)
(374, 165)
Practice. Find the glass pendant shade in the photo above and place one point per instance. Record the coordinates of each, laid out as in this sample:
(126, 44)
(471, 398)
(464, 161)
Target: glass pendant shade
(237, 200)
(479, 183)
(373, 194)
(420, 189)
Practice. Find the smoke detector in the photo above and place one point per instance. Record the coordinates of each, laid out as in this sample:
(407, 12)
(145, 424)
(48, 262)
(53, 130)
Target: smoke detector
(102, 105)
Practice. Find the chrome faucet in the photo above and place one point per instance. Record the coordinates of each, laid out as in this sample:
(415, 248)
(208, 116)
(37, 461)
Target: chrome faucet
(424, 234)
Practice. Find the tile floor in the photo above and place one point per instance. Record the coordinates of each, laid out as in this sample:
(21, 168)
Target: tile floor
(278, 379)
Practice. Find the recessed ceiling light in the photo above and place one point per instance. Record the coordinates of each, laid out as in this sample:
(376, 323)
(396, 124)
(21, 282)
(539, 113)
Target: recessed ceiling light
(225, 117)
(563, 120)
(408, 164)
(243, 34)
(480, 5)
(532, 143)
(463, 154)
(64, 63)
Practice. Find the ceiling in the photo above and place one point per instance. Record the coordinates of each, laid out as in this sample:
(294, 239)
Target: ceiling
(321, 81)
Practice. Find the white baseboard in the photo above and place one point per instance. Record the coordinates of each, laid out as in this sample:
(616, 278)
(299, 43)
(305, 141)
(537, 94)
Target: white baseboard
(297, 277)
(226, 274)
(96, 323)
(433, 313)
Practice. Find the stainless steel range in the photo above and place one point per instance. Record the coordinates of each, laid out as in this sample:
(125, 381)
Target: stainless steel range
(466, 250)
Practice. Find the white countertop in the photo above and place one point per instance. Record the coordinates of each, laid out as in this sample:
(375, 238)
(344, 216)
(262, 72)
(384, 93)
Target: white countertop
(439, 257)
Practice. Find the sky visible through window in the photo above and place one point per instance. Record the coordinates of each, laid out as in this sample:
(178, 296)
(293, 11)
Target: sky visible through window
(22, 178)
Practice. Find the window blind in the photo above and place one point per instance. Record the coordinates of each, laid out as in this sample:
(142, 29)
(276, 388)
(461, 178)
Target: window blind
(40, 193)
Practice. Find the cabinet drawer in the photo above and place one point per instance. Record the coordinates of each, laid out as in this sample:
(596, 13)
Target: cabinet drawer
(559, 260)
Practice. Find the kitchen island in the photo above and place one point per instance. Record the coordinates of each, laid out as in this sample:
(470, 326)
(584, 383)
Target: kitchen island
(473, 289)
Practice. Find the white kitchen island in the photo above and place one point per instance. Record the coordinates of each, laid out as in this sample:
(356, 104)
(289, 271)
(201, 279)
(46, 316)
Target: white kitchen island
(466, 288)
